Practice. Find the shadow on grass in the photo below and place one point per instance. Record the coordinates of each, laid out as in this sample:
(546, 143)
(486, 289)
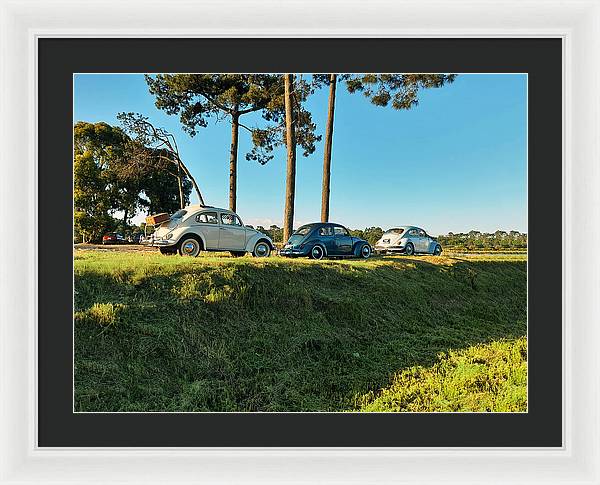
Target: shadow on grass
(278, 335)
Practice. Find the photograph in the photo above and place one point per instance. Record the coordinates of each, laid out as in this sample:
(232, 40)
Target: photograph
(301, 242)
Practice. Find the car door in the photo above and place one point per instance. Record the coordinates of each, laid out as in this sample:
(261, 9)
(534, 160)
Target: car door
(430, 246)
(327, 239)
(232, 234)
(207, 223)
(423, 241)
(343, 241)
(413, 238)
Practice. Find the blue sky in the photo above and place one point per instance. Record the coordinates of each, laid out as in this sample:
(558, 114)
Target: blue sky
(456, 162)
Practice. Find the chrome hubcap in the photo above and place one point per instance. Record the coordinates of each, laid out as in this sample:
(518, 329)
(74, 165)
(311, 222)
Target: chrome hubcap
(262, 250)
(366, 251)
(189, 247)
(316, 252)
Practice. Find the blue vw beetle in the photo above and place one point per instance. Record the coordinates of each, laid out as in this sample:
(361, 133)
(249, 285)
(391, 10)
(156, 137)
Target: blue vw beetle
(325, 239)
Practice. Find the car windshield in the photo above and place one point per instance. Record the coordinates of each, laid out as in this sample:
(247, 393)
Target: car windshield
(396, 230)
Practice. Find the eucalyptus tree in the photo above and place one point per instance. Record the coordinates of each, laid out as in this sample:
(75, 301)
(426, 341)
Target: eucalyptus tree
(401, 90)
(196, 98)
(290, 141)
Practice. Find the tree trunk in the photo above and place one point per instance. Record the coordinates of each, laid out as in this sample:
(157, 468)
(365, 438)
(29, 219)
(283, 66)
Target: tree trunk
(327, 156)
(290, 181)
(125, 214)
(235, 128)
(181, 202)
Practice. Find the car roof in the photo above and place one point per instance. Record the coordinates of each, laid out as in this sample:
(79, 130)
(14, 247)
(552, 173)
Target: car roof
(321, 224)
(197, 207)
(405, 228)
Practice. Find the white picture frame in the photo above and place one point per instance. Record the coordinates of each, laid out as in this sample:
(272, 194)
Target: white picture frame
(576, 22)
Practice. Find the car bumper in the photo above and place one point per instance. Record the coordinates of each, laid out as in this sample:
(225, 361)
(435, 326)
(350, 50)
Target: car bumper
(159, 243)
(292, 253)
(389, 249)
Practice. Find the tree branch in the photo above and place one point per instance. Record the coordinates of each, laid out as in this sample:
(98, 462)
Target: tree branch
(244, 126)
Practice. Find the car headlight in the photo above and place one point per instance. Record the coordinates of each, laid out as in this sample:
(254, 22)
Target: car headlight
(169, 236)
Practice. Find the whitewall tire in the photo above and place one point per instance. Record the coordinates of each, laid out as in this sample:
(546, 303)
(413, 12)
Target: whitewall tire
(189, 247)
(261, 250)
(365, 251)
(317, 252)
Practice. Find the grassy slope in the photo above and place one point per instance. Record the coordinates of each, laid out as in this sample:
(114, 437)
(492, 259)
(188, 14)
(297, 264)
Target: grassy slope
(223, 334)
(484, 377)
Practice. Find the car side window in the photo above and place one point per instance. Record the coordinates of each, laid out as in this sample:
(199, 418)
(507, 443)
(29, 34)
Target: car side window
(340, 231)
(230, 219)
(413, 232)
(207, 218)
(422, 233)
(325, 231)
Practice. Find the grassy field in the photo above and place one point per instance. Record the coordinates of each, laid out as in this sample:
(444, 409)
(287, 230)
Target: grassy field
(159, 333)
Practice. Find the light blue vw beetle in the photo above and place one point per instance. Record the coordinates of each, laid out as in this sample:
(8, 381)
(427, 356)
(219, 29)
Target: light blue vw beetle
(408, 240)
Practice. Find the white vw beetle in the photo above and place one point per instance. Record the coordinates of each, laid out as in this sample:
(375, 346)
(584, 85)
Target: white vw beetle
(408, 240)
(203, 228)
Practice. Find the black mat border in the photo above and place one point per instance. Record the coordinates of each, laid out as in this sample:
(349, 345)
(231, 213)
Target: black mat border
(60, 58)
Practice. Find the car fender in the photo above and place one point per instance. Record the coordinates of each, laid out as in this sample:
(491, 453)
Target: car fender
(432, 245)
(359, 244)
(254, 238)
(316, 242)
(180, 233)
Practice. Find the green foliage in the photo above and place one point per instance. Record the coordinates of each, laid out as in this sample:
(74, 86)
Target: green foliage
(274, 232)
(197, 98)
(214, 333)
(154, 161)
(371, 234)
(475, 240)
(96, 147)
(400, 89)
(162, 193)
(266, 140)
(104, 143)
(108, 179)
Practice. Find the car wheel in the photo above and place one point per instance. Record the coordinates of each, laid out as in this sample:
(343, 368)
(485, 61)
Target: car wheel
(438, 250)
(189, 247)
(167, 251)
(261, 250)
(317, 252)
(237, 254)
(365, 251)
(410, 249)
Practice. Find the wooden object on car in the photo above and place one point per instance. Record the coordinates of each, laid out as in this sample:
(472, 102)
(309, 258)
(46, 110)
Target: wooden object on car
(155, 219)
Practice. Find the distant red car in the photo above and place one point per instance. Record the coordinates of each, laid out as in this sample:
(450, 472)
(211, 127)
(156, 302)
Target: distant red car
(113, 238)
